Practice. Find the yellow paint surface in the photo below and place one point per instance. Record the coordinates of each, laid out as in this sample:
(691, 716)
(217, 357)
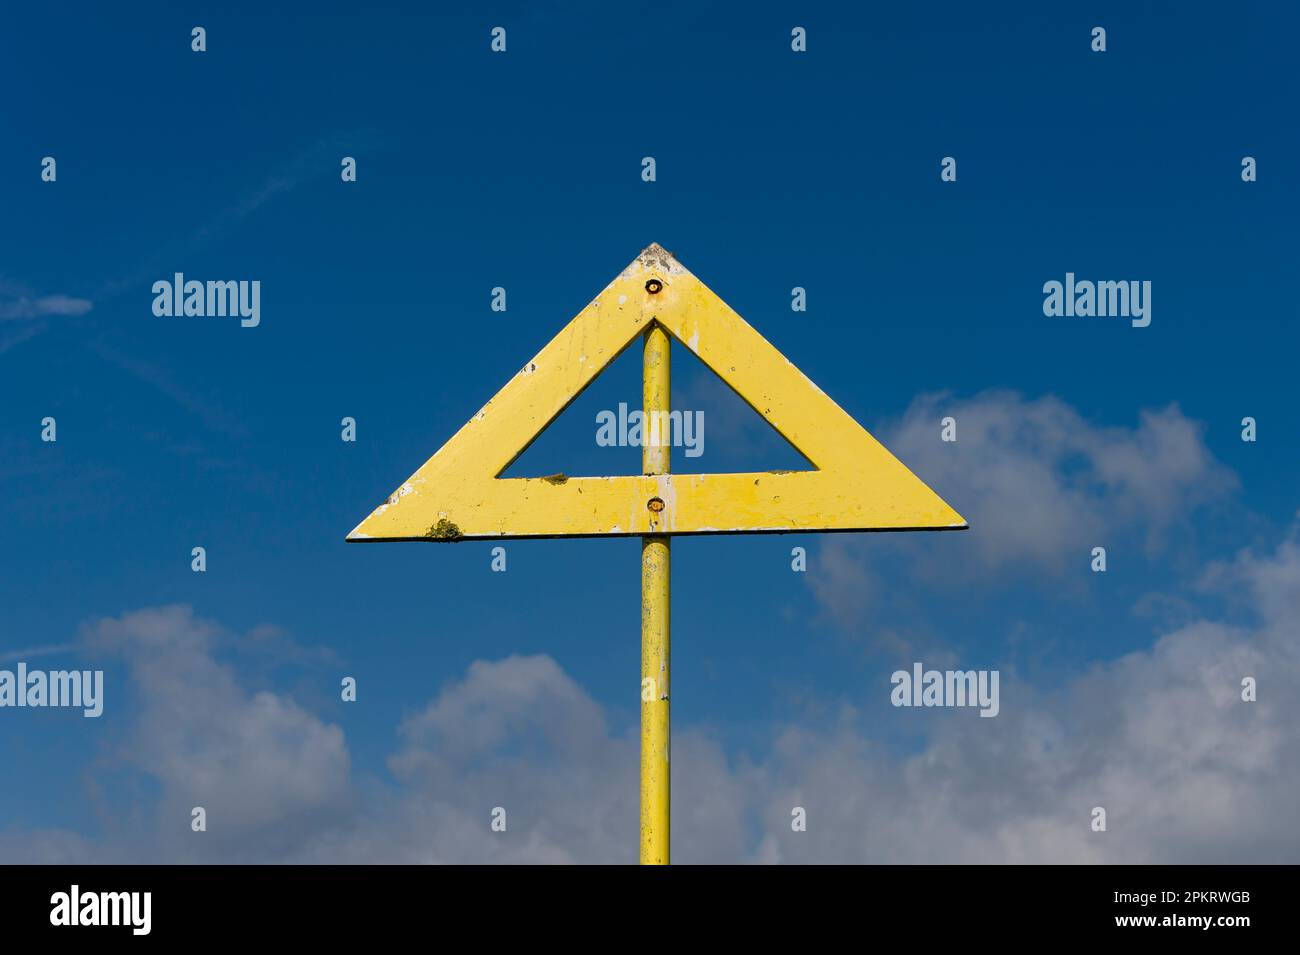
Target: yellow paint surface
(656, 553)
(858, 484)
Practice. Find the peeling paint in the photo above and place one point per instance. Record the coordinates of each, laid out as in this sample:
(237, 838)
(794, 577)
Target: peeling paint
(397, 495)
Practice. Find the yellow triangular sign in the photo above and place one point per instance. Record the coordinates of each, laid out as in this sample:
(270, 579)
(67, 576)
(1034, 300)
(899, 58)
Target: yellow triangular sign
(857, 485)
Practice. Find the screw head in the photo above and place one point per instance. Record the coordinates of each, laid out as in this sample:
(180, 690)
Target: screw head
(655, 504)
(654, 286)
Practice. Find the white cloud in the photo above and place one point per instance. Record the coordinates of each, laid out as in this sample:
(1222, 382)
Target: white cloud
(519, 733)
(1034, 476)
(1040, 486)
(265, 770)
(1186, 770)
(26, 307)
(10, 656)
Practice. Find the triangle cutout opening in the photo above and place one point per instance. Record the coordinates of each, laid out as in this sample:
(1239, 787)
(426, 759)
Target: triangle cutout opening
(713, 429)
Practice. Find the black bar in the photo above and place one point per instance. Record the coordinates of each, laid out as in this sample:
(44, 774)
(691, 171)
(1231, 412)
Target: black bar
(332, 905)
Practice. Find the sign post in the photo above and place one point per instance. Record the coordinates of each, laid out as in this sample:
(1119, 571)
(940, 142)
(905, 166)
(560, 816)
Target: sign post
(656, 553)
(855, 484)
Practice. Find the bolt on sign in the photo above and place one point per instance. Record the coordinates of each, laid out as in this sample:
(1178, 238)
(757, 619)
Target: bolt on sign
(855, 484)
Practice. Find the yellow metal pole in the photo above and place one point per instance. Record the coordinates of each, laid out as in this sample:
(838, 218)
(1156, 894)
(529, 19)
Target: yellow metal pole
(654, 610)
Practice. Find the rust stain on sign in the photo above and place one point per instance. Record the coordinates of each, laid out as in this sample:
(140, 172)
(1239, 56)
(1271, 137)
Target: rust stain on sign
(857, 485)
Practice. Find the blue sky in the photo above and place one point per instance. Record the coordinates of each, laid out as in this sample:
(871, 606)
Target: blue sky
(522, 170)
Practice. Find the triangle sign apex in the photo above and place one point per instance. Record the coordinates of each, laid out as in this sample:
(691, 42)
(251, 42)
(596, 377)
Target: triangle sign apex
(655, 258)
